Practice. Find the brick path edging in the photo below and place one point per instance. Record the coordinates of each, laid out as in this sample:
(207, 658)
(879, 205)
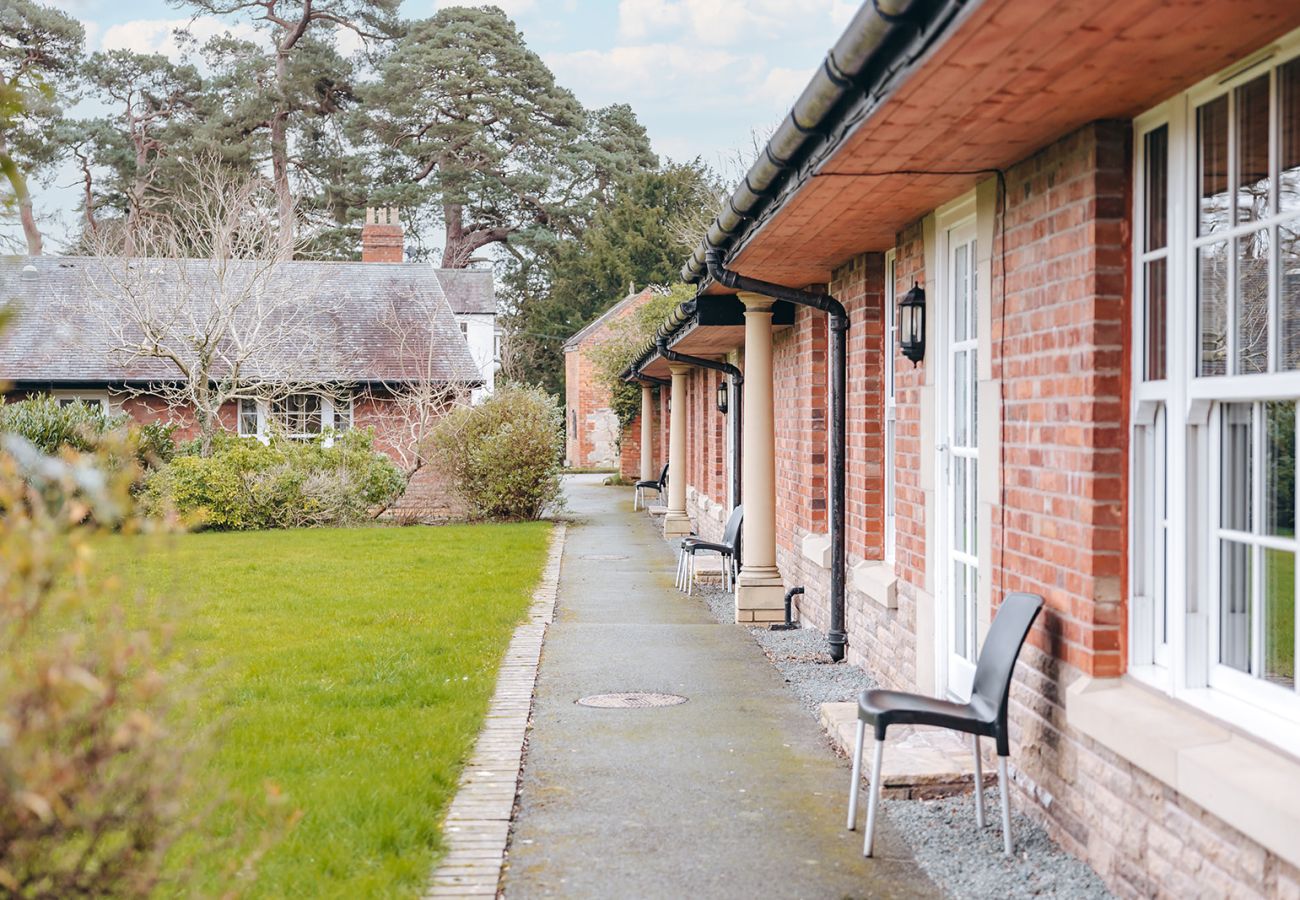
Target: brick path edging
(477, 826)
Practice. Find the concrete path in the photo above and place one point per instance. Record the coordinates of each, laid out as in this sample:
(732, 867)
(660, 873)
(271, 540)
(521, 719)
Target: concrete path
(735, 793)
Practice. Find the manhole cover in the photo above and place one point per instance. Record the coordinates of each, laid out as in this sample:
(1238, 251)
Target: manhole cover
(603, 556)
(631, 700)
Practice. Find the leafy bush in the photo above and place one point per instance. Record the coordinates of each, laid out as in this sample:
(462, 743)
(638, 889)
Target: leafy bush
(503, 455)
(246, 484)
(89, 776)
(50, 426)
(627, 338)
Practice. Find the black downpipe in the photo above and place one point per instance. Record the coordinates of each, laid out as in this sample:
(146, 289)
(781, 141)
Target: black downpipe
(839, 323)
(737, 382)
(788, 624)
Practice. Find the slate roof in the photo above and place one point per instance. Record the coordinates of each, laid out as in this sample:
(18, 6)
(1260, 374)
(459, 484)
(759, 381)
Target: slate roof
(373, 322)
(469, 290)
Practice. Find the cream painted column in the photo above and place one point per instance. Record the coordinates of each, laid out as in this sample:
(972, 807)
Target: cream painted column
(676, 521)
(648, 472)
(760, 594)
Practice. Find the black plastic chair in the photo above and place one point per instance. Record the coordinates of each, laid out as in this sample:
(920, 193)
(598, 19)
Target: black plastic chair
(985, 714)
(728, 549)
(658, 486)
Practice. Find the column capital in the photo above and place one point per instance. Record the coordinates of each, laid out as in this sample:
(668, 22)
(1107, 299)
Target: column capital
(755, 303)
(680, 369)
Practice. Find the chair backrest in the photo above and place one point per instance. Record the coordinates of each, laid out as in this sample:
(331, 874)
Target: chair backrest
(1001, 648)
(663, 477)
(732, 531)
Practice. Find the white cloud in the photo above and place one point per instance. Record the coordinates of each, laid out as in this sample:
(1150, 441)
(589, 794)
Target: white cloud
(781, 86)
(724, 23)
(653, 72)
(159, 35)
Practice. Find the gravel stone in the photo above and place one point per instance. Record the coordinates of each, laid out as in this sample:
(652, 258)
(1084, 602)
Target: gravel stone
(965, 861)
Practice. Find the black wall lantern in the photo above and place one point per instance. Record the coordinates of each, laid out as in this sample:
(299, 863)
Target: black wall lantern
(911, 324)
(722, 397)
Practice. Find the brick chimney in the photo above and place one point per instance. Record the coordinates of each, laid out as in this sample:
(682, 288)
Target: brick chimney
(381, 236)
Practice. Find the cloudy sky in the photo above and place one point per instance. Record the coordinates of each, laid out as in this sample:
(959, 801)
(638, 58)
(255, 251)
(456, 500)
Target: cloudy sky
(704, 76)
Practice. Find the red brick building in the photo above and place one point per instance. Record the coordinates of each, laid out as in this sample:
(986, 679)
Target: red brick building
(592, 434)
(1101, 206)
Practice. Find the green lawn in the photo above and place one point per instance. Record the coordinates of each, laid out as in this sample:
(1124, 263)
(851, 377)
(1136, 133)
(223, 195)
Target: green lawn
(350, 668)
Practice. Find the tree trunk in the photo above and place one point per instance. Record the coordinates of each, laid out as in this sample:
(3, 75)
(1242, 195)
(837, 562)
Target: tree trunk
(280, 157)
(453, 217)
(19, 184)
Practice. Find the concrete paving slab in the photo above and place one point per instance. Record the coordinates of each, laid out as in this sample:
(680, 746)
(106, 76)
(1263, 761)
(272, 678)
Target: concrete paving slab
(919, 762)
(735, 793)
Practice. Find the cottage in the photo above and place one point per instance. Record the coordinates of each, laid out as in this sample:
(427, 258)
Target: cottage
(1014, 289)
(373, 344)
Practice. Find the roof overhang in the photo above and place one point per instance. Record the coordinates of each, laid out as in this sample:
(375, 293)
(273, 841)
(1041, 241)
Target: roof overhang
(1007, 78)
(713, 327)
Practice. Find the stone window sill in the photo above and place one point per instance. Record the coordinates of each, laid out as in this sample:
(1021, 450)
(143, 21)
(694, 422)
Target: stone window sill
(1244, 782)
(877, 581)
(817, 547)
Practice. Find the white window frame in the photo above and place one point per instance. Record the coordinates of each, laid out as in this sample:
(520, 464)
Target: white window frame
(1186, 666)
(102, 399)
(331, 407)
(891, 408)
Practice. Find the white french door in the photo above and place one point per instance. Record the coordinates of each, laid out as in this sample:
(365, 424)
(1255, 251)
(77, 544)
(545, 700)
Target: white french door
(958, 350)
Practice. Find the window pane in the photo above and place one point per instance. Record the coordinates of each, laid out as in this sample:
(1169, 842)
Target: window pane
(1212, 296)
(959, 510)
(1252, 302)
(1288, 91)
(1279, 468)
(973, 507)
(1157, 186)
(1156, 281)
(1288, 290)
(1212, 165)
(247, 416)
(342, 414)
(974, 398)
(1252, 150)
(960, 403)
(974, 294)
(960, 273)
(1234, 605)
(960, 627)
(1279, 617)
(1235, 467)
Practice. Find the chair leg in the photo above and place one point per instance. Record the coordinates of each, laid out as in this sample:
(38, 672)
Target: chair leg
(979, 783)
(873, 798)
(681, 565)
(1006, 805)
(690, 578)
(855, 786)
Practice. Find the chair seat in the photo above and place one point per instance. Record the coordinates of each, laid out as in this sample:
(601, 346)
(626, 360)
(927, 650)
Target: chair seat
(648, 484)
(885, 708)
(690, 545)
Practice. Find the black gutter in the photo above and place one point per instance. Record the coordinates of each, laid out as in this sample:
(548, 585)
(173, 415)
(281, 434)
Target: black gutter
(879, 48)
(839, 323)
(642, 377)
(738, 385)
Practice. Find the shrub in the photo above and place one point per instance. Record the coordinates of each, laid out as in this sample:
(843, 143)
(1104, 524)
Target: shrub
(503, 455)
(89, 776)
(50, 426)
(246, 484)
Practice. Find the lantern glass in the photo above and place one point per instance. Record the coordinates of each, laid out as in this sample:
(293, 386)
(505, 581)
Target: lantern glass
(912, 320)
(722, 397)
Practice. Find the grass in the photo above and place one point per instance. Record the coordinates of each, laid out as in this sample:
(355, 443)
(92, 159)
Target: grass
(351, 669)
(1279, 628)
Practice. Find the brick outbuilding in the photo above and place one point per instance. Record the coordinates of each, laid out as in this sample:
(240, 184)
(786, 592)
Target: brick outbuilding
(593, 437)
(1100, 207)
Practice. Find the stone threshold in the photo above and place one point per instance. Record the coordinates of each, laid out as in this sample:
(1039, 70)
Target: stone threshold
(476, 831)
(920, 762)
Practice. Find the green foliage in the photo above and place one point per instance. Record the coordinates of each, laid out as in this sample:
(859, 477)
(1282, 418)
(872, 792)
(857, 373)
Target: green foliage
(90, 769)
(351, 668)
(627, 338)
(503, 455)
(51, 426)
(470, 119)
(246, 484)
(632, 241)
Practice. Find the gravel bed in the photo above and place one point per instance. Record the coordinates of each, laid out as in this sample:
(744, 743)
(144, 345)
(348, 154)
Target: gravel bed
(965, 861)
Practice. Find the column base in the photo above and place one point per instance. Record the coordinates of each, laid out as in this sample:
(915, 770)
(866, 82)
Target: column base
(676, 523)
(759, 589)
